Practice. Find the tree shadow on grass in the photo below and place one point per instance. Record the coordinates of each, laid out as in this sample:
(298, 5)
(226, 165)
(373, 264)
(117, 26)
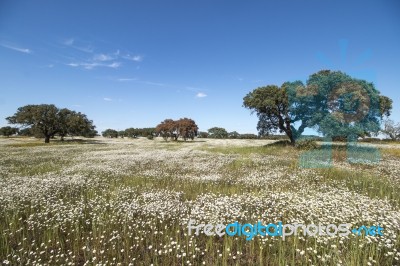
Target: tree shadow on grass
(279, 143)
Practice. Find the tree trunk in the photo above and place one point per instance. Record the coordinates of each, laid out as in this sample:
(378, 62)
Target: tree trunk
(292, 140)
(47, 139)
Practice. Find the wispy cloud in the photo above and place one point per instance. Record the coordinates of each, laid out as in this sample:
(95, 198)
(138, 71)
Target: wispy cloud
(97, 58)
(189, 88)
(93, 65)
(16, 48)
(154, 83)
(107, 99)
(126, 79)
(201, 95)
(136, 58)
(68, 42)
(114, 65)
(103, 57)
(73, 64)
(78, 45)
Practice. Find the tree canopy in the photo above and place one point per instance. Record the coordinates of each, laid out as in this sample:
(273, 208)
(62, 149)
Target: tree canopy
(8, 131)
(185, 128)
(47, 120)
(110, 133)
(217, 133)
(331, 102)
(391, 129)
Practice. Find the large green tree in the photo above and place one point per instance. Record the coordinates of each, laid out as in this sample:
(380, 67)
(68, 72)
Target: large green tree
(47, 120)
(73, 123)
(343, 106)
(332, 102)
(271, 103)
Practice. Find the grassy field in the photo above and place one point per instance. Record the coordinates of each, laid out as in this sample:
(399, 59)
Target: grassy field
(128, 202)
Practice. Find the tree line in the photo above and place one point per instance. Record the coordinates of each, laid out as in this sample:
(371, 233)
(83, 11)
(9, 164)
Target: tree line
(129, 132)
(333, 103)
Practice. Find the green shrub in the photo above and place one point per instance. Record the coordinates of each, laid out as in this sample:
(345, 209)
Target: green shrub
(306, 144)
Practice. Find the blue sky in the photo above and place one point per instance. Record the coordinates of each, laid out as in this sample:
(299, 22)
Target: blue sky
(136, 63)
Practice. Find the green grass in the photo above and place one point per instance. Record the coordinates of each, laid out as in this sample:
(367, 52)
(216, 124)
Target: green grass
(94, 227)
(271, 149)
(363, 183)
(391, 152)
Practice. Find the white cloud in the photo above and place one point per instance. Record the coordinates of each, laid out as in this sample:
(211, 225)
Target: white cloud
(103, 57)
(81, 46)
(201, 95)
(126, 79)
(16, 48)
(93, 65)
(154, 83)
(136, 58)
(114, 65)
(107, 99)
(69, 41)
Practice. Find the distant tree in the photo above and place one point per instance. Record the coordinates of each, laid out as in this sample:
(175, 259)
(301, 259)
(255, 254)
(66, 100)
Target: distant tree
(185, 128)
(8, 131)
(110, 133)
(391, 129)
(131, 132)
(147, 131)
(46, 120)
(202, 134)
(248, 136)
(217, 133)
(233, 135)
(139, 132)
(121, 133)
(167, 129)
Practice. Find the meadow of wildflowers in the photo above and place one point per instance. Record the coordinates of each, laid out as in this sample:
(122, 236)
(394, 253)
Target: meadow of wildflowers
(128, 202)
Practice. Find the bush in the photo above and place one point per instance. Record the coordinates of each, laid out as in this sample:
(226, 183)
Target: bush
(248, 136)
(339, 138)
(370, 140)
(150, 136)
(306, 144)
